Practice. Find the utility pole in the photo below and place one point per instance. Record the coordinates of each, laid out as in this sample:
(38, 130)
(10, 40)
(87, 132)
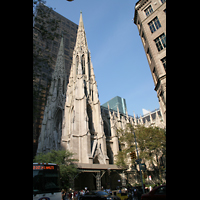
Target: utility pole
(139, 162)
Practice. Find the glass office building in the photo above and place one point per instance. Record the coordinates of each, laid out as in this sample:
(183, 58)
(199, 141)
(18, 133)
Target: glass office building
(116, 102)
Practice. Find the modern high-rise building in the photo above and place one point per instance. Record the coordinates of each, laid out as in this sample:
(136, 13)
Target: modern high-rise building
(150, 18)
(116, 103)
(49, 50)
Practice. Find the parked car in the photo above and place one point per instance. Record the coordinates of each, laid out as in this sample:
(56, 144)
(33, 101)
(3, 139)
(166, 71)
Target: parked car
(98, 195)
(157, 193)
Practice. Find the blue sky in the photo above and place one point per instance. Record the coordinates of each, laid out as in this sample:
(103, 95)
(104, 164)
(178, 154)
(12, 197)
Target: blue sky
(118, 57)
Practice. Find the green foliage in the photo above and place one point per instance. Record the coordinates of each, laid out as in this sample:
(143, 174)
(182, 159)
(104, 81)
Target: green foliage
(125, 136)
(68, 168)
(121, 160)
(151, 143)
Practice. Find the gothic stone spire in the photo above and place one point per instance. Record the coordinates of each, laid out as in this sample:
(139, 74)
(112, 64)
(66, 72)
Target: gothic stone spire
(51, 130)
(83, 132)
(81, 40)
(60, 62)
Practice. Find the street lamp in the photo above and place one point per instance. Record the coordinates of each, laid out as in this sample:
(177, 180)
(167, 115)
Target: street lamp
(109, 177)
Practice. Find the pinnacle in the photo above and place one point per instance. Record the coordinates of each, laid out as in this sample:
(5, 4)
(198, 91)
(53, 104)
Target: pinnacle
(81, 36)
(61, 49)
(81, 21)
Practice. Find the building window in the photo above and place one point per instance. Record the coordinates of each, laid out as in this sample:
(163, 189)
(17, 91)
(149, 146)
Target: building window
(139, 25)
(160, 42)
(154, 24)
(163, 1)
(155, 74)
(148, 11)
(149, 55)
(164, 63)
(143, 38)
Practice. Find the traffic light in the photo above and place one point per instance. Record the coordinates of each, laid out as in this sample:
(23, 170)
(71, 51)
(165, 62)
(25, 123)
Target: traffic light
(133, 155)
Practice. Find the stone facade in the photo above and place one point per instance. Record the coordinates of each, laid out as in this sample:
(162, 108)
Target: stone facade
(83, 131)
(150, 18)
(51, 131)
(49, 50)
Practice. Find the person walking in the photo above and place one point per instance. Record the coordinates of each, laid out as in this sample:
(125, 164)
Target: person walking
(139, 194)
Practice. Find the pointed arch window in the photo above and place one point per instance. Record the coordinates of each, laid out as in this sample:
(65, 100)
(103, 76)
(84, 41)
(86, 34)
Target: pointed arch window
(54, 81)
(77, 61)
(57, 131)
(63, 86)
(58, 87)
(83, 63)
(90, 123)
(89, 64)
(106, 126)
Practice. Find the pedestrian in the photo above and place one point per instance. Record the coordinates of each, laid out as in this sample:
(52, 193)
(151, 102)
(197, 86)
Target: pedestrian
(63, 194)
(70, 195)
(130, 197)
(132, 192)
(139, 194)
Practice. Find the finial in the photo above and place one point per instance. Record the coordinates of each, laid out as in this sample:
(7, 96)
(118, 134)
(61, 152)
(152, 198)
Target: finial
(80, 12)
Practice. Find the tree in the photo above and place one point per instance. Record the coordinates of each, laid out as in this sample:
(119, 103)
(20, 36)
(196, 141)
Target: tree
(68, 168)
(151, 143)
(126, 143)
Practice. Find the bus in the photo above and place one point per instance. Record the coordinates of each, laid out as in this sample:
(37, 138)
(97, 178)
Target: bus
(46, 181)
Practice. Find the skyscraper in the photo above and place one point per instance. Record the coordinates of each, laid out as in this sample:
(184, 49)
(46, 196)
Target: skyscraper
(49, 50)
(116, 103)
(150, 18)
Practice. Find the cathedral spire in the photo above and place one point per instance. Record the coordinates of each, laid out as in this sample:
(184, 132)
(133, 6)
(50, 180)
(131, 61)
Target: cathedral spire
(151, 120)
(81, 40)
(60, 62)
(58, 82)
(84, 129)
(81, 21)
(51, 130)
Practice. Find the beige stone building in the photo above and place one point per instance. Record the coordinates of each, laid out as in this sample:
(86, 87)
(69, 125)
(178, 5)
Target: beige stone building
(150, 18)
